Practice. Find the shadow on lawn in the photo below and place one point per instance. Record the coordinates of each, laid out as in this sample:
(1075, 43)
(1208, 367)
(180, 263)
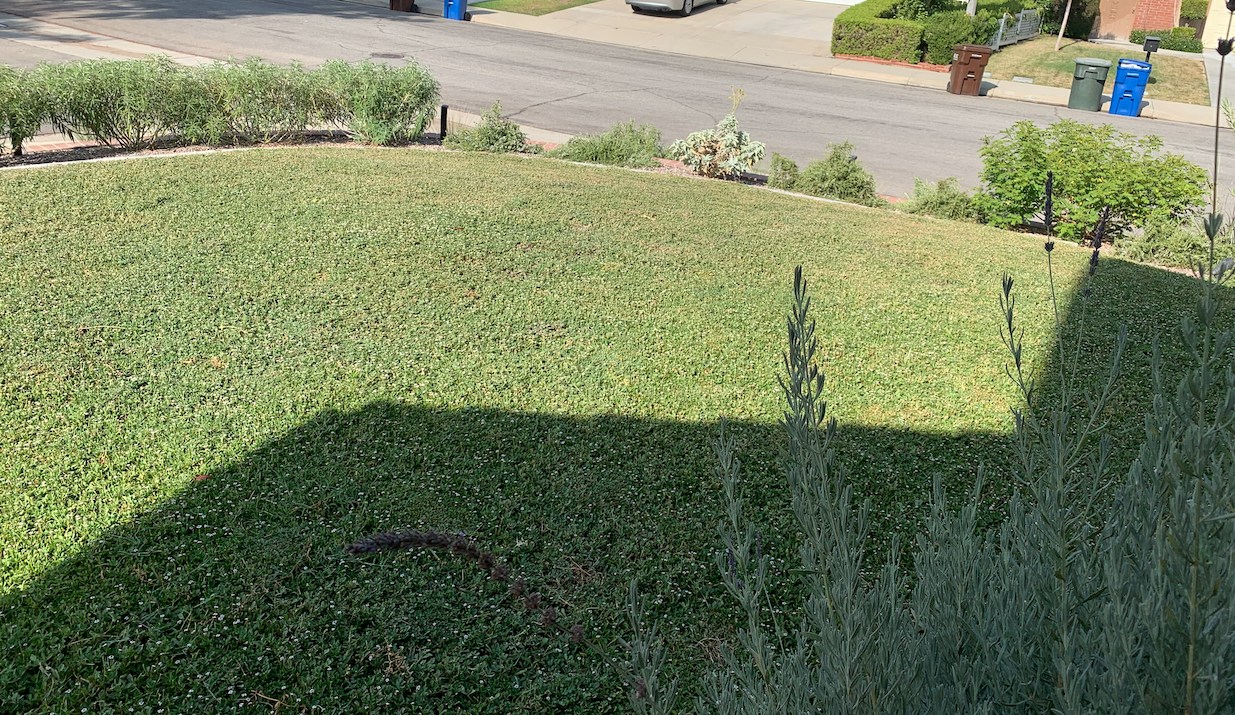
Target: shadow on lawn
(252, 558)
(237, 591)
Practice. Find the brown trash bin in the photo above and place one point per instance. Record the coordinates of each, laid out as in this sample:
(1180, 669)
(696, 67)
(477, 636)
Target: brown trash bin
(403, 5)
(968, 66)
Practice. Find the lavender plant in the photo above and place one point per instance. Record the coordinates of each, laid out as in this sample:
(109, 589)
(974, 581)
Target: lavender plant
(1099, 593)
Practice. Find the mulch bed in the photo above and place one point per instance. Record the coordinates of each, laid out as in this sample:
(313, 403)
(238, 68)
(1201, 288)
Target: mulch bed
(897, 63)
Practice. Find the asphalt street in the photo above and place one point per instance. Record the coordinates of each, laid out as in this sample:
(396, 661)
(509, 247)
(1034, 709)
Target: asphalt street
(577, 86)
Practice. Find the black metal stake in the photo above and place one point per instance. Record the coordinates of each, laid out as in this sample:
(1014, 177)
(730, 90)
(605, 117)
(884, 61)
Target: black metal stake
(442, 132)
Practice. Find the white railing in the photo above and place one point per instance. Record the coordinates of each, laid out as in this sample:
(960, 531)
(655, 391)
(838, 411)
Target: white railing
(1025, 25)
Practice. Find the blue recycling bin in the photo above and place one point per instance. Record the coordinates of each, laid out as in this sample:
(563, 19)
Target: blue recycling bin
(456, 10)
(1131, 78)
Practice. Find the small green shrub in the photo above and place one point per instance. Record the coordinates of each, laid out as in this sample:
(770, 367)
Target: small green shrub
(943, 199)
(623, 145)
(1167, 243)
(721, 153)
(380, 104)
(131, 103)
(263, 102)
(23, 107)
(125, 102)
(494, 134)
(1095, 166)
(945, 30)
(839, 175)
(1080, 20)
(784, 173)
(870, 29)
(997, 8)
(1182, 39)
(1194, 9)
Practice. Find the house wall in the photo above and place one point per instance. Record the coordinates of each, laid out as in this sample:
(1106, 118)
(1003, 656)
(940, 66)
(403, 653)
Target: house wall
(1115, 19)
(1156, 15)
(1215, 24)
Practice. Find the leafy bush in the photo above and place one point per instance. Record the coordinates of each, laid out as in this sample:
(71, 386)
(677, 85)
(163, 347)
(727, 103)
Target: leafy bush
(1094, 167)
(921, 9)
(1080, 21)
(943, 199)
(997, 8)
(1097, 594)
(784, 173)
(494, 134)
(1182, 39)
(126, 102)
(839, 175)
(23, 107)
(869, 29)
(380, 104)
(721, 153)
(945, 30)
(623, 145)
(1194, 9)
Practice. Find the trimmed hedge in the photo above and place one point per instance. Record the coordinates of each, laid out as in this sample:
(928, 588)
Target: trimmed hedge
(870, 30)
(1194, 9)
(945, 30)
(1182, 39)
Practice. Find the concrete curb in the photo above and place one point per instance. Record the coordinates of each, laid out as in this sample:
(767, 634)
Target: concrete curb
(455, 117)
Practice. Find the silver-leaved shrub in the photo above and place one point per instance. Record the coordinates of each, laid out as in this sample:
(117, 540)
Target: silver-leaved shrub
(1099, 593)
(721, 153)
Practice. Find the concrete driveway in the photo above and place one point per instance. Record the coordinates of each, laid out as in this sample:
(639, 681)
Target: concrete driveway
(783, 33)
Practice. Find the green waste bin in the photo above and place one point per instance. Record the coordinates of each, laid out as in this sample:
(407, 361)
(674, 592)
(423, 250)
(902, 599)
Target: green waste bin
(1088, 79)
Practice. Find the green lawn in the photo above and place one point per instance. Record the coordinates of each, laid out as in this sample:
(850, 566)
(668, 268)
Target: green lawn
(1174, 79)
(531, 7)
(219, 370)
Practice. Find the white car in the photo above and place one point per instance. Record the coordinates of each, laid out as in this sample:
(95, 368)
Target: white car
(682, 7)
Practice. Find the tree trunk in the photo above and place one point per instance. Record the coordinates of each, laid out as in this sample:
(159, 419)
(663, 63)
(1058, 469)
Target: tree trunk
(1064, 25)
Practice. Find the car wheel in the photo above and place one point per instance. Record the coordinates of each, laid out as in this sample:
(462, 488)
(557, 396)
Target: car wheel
(636, 9)
(720, 2)
(688, 6)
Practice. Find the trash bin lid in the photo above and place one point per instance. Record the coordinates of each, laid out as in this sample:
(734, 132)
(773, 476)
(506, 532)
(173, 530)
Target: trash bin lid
(1135, 64)
(1092, 62)
(972, 48)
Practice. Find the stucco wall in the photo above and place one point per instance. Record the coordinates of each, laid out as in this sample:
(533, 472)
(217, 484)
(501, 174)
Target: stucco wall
(1215, 24)
(1115, 19)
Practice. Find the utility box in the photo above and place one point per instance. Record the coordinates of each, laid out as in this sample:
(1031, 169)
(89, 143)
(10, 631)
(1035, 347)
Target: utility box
(1088, 80)
(968, 66)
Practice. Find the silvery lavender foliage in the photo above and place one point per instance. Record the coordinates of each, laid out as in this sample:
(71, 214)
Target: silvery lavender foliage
(646, 660)
(853, 650)
(1097, 594)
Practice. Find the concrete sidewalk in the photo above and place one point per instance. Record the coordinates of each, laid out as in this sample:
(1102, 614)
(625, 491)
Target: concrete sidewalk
(788, 34)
